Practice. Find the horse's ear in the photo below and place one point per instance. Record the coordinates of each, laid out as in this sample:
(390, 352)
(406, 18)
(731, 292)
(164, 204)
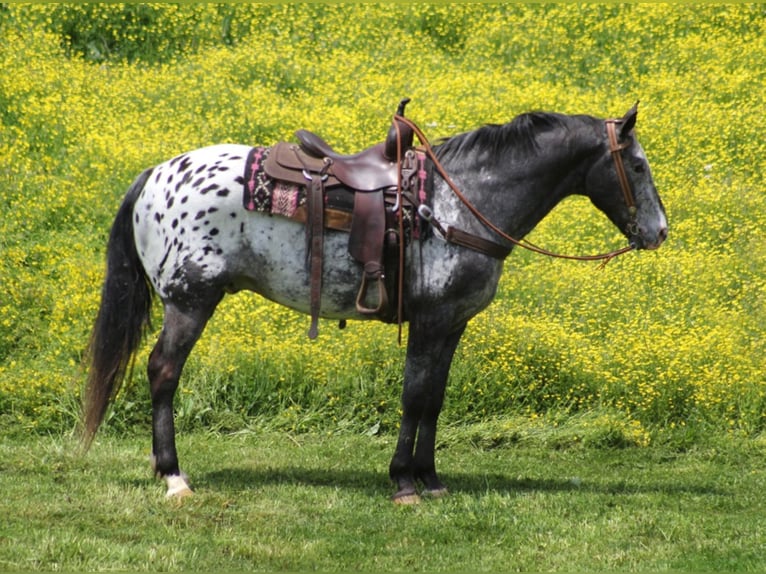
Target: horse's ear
(629, 121)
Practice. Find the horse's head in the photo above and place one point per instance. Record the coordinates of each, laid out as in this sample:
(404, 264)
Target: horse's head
(620, 184)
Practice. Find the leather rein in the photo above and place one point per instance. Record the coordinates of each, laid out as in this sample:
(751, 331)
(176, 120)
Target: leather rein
(459, 237)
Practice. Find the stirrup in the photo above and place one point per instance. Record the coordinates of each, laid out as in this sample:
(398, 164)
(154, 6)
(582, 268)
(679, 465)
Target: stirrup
(372, 270)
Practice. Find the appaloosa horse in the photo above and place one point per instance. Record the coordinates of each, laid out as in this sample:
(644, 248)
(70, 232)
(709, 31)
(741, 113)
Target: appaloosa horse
(182, 232)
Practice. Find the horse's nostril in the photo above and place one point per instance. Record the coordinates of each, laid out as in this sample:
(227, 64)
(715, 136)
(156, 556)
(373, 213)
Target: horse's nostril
(663, 234)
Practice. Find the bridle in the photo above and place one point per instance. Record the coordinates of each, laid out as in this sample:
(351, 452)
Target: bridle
(468, 240)
(615, 149)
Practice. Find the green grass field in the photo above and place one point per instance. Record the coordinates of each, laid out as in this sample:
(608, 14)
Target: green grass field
(595, 419)
(278, 502)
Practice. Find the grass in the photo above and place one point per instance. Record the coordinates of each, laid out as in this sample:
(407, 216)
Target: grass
(273, 501)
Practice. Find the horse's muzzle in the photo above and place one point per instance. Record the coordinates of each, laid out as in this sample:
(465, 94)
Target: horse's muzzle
(649, 238)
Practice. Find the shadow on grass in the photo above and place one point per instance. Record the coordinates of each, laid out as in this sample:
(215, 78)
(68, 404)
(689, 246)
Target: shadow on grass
(477, 484)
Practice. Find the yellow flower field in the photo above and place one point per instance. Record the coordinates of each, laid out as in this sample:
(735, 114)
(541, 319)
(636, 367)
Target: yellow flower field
(91, 94)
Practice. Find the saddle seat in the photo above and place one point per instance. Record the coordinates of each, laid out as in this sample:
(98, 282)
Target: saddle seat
(368, 170)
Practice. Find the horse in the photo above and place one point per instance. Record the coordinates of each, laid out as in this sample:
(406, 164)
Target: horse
(182, 234)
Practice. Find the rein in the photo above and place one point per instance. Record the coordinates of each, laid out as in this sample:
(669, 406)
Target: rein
(459, 237)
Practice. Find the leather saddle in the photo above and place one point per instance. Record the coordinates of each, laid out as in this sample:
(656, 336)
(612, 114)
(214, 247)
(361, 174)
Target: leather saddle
(372, 169)
(370, 175)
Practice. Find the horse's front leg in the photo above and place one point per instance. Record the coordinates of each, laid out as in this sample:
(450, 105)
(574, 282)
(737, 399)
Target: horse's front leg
(429, 356)
(180, 332)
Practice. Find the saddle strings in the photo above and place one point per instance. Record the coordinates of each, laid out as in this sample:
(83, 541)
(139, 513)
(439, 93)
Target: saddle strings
(524, 243)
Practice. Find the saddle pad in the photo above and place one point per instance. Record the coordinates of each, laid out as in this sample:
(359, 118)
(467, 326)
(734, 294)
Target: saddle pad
(264, 194)
(258, 187)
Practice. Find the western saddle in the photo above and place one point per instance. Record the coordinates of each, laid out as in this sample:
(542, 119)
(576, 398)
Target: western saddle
(384, 174)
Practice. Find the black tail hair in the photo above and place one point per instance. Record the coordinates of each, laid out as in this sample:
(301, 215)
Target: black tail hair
(123, 317)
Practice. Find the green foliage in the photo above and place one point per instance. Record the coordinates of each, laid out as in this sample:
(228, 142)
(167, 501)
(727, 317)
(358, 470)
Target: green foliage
(145, 32)
(91, 94)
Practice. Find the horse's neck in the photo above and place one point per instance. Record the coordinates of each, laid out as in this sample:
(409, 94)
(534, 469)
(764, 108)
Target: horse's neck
(513, 192)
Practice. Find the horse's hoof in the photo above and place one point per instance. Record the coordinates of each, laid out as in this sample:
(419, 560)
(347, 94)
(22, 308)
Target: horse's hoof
(177, 487)
(406, 498)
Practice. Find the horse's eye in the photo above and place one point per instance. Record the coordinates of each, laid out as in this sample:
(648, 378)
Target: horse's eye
(638, 167)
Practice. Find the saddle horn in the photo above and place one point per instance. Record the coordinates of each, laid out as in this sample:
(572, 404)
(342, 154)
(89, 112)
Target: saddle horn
(404, 133)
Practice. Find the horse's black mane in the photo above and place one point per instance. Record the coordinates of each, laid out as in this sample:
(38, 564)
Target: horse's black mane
(520, 131)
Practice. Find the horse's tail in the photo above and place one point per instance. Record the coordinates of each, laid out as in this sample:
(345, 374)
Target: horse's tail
(123, 317)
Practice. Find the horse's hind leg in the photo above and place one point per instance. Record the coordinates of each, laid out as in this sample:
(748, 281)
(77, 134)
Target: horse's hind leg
(180, 330)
